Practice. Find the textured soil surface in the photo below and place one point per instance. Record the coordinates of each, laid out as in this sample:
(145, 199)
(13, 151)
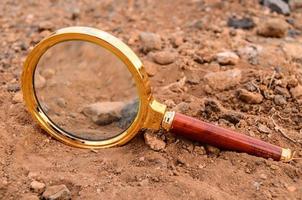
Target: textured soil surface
(249, 80)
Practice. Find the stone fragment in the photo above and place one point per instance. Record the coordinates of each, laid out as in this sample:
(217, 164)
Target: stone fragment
(249, 97)
(48, 73)
(104, 113)
(227, 58)
(40, 81)
(13, 87)
(37, 187)
(150, 41)
(263, 129)
(200, 150)
(211, 150)
(223, 80)
(151, 68)
(57, 192)
(296, 92)
(279, 100)
(291, 188)
(250, 53)
(61, 102)
(128, 113)
(282, 91)
(243, 23)
(164, 57)
(193, 78)
(45, 25)
(276, 28)
(153, 141)
(293, 50)
(278, 6)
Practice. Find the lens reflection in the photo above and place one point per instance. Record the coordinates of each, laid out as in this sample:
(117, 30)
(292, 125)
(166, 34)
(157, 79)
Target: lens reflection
(86, 90)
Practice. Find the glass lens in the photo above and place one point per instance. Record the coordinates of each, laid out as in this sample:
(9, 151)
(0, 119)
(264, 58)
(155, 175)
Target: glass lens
(86, 90)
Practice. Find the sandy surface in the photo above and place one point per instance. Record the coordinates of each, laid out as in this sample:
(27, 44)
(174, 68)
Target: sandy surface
(194, 32)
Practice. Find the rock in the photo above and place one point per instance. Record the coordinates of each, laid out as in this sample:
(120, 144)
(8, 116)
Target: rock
(296, 92)
(278, 6)
(263, 176)
(45, 25)
(153, 141)
(150, 41)
(13, 87)
(48, 73)
(291, 188)
(37, 187)
(29, 197)
(250, 53)
(164, 57)
(264, 129)
(40, 81)
(293, 50)
(200, 150)
(128, 113)
(279, 100)
(75, 13)
(104, 113)
(282, 91)
(212, 150)
(273, 28)
(182, 107)
(232, 117)
(257, 185)
(292, 82)
(243, 23)
(193, 78)
(151, 68)
(18, 98)
(57, 192)
(224, 79)
(227, 58)
(249, 97)
(61, 102)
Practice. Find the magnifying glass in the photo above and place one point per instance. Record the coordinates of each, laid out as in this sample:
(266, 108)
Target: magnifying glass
(88, 89)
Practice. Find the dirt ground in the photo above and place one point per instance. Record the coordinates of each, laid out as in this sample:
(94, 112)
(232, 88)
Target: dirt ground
(258, 92)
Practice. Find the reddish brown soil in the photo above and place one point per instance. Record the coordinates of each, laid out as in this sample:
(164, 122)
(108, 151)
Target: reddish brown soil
(134, 171)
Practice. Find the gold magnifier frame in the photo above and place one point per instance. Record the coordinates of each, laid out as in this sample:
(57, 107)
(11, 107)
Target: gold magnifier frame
(150, 113)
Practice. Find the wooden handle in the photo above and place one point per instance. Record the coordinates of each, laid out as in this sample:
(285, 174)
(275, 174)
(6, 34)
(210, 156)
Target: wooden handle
(225, 139)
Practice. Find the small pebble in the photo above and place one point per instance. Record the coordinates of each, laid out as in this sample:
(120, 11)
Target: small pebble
(18, 98)
(291, 188)
(57, 192)
(278, 6)
(249, 97)
(14, 87)
(164, 57)
(150, 41)
(243, 23)
(227, 58)
(272, 28)
(153, 141)
(296, 92)
(279, 100)
(211, 150)
(264, 129)
(37, 187)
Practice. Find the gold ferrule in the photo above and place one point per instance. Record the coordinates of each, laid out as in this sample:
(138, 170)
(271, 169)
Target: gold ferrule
(286, 155)
(167, 120)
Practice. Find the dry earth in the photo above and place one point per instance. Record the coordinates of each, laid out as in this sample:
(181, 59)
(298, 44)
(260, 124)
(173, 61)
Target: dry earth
(249, 80)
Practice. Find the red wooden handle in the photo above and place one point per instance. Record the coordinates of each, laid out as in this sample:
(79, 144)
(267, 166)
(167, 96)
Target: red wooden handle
(223, 138)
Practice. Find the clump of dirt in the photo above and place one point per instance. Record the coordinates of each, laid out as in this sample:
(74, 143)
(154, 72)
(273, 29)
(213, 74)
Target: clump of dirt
(244, 79)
